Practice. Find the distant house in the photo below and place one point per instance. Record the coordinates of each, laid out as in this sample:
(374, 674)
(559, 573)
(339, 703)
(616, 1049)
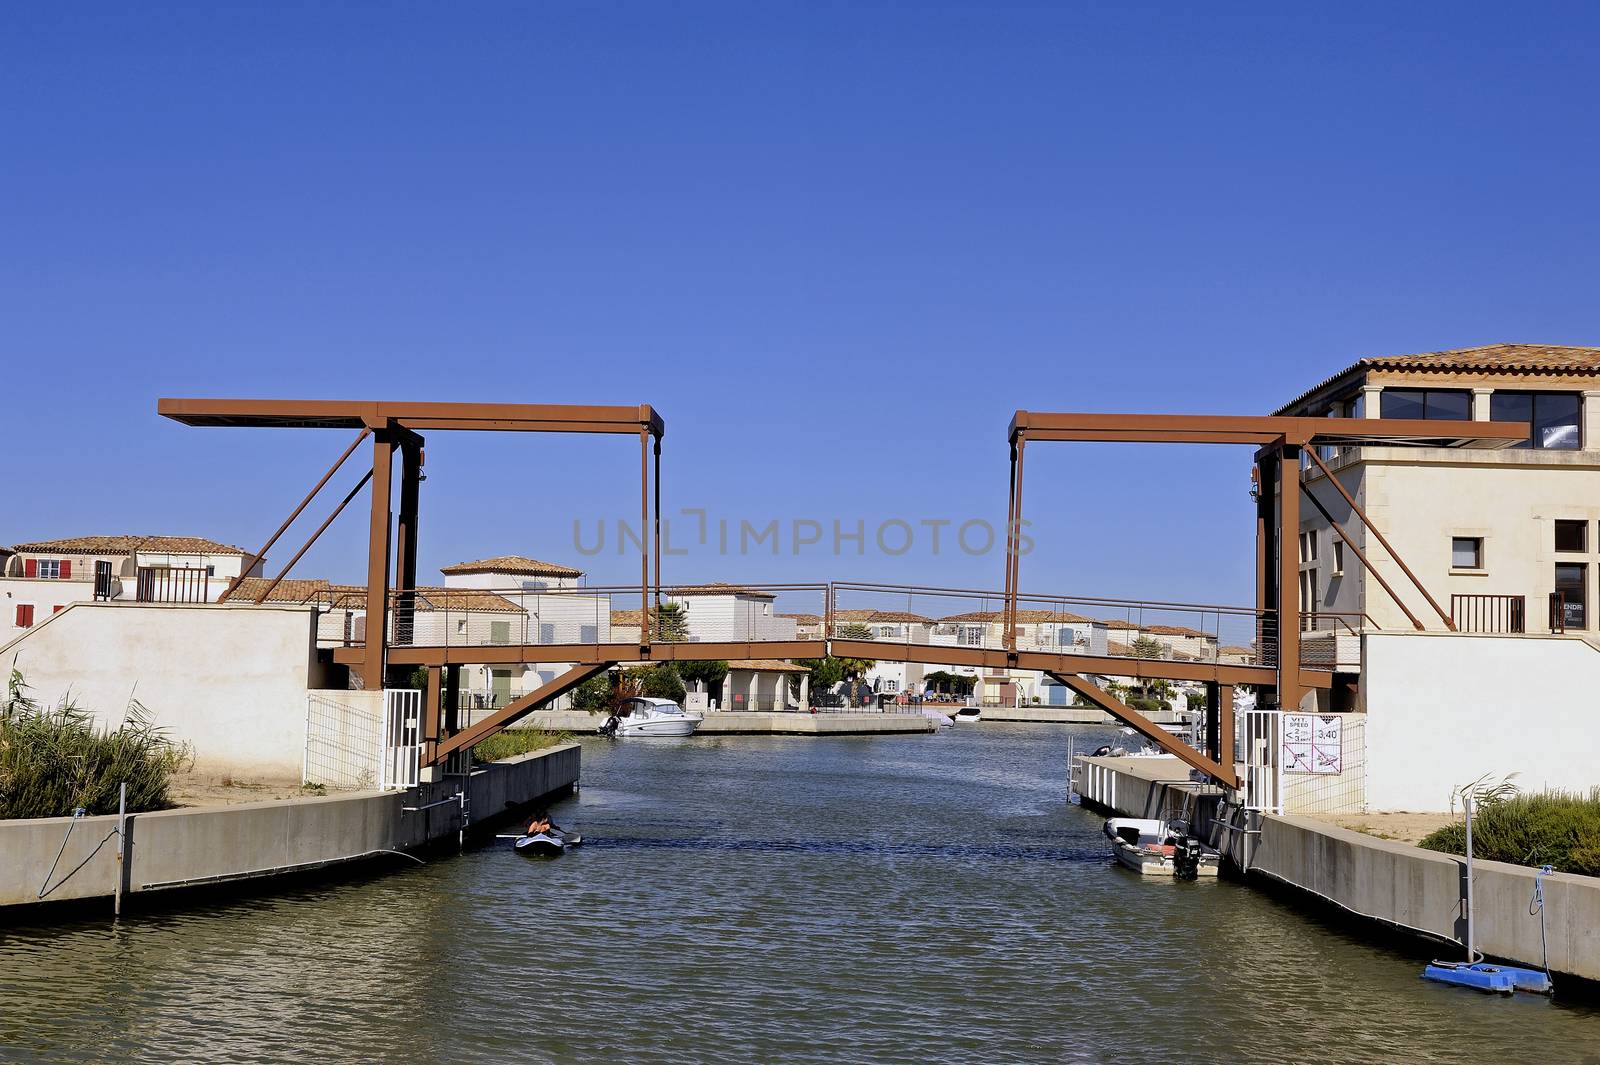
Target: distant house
(41, 578)
(806, 626)
(721, 612)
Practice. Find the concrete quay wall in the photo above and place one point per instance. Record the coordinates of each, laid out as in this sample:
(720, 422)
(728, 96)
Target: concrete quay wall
(191, 847)
(1394, 884)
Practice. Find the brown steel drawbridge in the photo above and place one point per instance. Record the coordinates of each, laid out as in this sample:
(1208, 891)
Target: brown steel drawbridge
(392, 640)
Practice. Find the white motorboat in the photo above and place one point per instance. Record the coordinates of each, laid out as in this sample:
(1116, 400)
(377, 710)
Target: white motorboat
(968, 714)
(943, 720)
(1153, 847)
(644, 715)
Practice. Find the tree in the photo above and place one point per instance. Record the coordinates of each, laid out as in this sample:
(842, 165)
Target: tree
(825, 672)
(659, 681)
(711, 674)
(855, 668)
(672, 623)
(594, 694)
(1146, 647)
(951, 683)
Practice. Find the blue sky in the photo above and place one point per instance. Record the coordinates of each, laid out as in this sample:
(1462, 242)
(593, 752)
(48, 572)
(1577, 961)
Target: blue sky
(836, 244)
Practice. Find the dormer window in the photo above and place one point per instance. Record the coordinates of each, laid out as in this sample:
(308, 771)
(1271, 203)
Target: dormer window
(48, 569)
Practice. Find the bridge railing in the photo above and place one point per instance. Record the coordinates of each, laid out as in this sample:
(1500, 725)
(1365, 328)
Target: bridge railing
(523, 615)
(905, 615)
(1054, 624)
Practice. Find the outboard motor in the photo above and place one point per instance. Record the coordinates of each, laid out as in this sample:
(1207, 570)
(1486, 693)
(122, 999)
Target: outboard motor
(1185, 857)
(609, 727)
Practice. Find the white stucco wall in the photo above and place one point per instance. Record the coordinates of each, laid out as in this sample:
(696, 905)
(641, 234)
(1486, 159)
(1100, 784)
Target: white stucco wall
(231, 680)
(1445, 709)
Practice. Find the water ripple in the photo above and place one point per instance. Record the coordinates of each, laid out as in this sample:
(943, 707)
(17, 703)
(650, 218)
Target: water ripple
(918, 900)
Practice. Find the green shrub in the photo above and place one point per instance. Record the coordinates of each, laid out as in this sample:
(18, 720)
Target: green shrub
(1146, 704)
(53, 761)
(1552, 828)
(510, 742)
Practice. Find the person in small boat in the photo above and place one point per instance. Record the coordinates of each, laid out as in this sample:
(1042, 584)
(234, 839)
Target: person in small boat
(541, 823)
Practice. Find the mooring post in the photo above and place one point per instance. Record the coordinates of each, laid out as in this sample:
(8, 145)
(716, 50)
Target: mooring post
(1472, 950)
(122, 848)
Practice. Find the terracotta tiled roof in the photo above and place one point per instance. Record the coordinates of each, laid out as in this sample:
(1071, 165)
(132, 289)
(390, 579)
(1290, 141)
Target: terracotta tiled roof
(1236, 650)
(852, 615)
(289, 590)
(1487, 358)
(879, 616)
(1024, 617)
(127, 545)
(717, 588)
(768, 665)
(902, 616)
(628, 617)
(1172, 630)
(804, 619)
(463, 599)
(354, 596)
(528, 567)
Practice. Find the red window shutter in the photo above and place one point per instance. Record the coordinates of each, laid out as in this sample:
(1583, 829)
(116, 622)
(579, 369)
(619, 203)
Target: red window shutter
(58, 608)
(30, 568)
(66, 569)
(24, 615)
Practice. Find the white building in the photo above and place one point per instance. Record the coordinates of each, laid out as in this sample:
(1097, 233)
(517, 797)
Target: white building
(1504, 539)
(42, 578)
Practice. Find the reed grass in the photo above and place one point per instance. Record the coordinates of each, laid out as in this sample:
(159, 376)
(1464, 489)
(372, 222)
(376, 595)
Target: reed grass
(1556, 828)
(54, 760)
(510, 742)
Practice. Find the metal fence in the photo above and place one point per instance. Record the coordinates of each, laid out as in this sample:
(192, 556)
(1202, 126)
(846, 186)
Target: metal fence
(1334, 779)
(342, 743)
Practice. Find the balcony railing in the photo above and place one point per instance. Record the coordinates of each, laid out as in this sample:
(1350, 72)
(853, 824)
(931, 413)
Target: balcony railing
(1489, 613)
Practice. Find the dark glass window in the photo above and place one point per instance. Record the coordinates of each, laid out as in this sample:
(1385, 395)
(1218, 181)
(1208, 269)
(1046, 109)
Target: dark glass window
(1572, 583)
(1466, 552)
(1555, 417)
(1435, 403)
(1572, 535)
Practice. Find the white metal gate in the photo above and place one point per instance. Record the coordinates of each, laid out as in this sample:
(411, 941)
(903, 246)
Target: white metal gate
(400, 757)
(1262, 736)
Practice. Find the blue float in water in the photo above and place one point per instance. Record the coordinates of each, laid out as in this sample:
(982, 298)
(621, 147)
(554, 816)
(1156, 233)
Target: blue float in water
(1480, 977)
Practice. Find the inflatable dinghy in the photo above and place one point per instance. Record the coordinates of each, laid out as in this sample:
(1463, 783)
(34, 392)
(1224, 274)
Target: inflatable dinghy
(546, 844)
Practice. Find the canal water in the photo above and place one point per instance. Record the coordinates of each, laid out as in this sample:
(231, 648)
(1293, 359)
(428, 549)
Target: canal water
(918, 899)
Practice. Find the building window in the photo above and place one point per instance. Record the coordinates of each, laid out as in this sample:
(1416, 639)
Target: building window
(1572, 535)
(1466, 552)
(500, 632)
(1572, 582)
(1338, 557)
(24, 615)
(1429, 403)
(211, 571)
(49, 569)
(1553, 418)
(971, 636)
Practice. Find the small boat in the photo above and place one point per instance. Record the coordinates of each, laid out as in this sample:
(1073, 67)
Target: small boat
(941, 719)
(968, 714)
(643, 715)
(1153, 847)
(551, 844)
